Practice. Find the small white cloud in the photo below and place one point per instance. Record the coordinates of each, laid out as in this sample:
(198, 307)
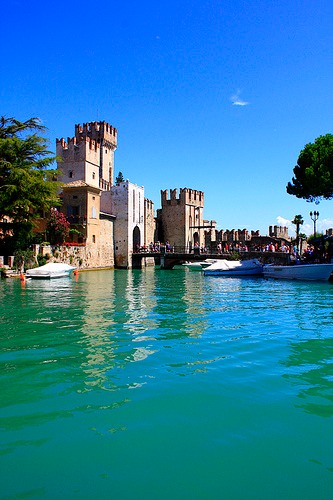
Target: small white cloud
(283, 222)
(237, 101)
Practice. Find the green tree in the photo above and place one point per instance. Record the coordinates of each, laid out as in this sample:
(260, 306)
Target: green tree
(313, 174)
(27, 183)
(119, 178)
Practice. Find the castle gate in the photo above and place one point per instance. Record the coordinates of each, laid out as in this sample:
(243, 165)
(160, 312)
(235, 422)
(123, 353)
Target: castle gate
(136, 238)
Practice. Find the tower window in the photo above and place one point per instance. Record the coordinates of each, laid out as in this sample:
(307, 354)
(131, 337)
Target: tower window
(93, 175)
(70, 174)
(93, 238)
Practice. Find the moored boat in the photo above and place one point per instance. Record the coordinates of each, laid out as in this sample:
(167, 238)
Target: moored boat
(50, 271)
(200, 265)
(235, 268)
(304, 272)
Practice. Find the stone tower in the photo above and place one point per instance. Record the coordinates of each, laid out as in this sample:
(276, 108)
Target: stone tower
(181, 218)
(89, 155)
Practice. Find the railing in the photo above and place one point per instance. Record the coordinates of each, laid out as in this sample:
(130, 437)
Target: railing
(158, 248)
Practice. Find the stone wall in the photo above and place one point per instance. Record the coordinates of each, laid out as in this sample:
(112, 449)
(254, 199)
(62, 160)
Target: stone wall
(181, 218)
(150, 224)
(90, 256)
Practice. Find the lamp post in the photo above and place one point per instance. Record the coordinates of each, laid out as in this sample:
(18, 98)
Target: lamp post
(314, 217)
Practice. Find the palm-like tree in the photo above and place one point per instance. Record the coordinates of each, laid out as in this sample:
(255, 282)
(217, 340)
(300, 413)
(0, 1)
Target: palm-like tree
(298, 221)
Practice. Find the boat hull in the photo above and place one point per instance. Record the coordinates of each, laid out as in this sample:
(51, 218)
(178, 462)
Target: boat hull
(234, 268)
(304, 272)
(199, 266)
(236, 273)
(50, 271)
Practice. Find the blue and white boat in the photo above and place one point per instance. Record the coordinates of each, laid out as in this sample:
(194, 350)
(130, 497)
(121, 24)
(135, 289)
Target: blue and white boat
(237, 268)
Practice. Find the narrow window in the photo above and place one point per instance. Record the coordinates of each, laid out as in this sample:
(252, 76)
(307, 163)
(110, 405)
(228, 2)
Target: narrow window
(93, 238)
(139, 207)
(133, 205)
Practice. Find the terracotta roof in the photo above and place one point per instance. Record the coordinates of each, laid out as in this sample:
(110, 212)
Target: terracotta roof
(80, 184)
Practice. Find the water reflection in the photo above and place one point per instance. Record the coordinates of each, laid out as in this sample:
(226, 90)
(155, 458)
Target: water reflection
(118, 330)
(179, 308)
(310, 370)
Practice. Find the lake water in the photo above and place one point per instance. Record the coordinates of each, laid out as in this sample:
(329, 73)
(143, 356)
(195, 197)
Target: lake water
(166, 385)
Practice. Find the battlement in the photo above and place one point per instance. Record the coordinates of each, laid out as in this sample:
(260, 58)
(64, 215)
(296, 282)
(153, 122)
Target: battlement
(186, 197)
(74, 144)
(102, 132)
(278, 232)
(149, 204)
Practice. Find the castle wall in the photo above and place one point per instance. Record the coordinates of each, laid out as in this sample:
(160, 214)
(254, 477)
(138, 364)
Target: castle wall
(90, 256)
(80, 161)
(127, 204)
(149, 222)
(182, 217)
(89, 155)
(81, 204)
(106, 136)
(278, 232)
(93, 221)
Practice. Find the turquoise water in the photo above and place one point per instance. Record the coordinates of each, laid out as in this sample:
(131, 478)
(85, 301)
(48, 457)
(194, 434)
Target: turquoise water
(166, 385)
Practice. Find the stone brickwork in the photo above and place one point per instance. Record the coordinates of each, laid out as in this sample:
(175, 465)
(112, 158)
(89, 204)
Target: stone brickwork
(233, 235)
(89, 155)
(81, 204)
(180, 219)
(89, 195)
(149, 221)
(90, 256)
(279, 232)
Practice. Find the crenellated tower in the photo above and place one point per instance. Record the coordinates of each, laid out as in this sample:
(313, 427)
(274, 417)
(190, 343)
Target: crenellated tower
(181, 217)
(89, 155)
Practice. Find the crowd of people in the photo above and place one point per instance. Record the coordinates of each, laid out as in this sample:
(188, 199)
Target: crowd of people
(310, 254)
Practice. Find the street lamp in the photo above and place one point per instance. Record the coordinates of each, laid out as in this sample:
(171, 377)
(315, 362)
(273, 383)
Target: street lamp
(314, 217)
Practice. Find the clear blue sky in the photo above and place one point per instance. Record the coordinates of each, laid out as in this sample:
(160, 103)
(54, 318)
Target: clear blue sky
(218, 96)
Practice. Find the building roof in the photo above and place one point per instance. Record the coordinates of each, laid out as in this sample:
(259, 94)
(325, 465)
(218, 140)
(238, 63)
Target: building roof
(79, 184)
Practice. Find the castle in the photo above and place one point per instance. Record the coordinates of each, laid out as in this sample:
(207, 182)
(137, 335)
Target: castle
(111, 220)
(114, 220)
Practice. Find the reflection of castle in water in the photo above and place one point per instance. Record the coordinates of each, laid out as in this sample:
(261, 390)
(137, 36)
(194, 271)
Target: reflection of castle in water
(126, 322)
(114, 319)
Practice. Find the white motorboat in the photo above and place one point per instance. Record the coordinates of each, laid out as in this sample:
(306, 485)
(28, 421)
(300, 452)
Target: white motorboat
(235, 268)
(50, 271)
(305, 272)
(200, 265)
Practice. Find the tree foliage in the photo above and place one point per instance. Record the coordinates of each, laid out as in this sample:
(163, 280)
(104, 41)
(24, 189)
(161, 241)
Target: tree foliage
(27, 186)
(313, 174)
(298, 221)
(57, 227)
(119, 178)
